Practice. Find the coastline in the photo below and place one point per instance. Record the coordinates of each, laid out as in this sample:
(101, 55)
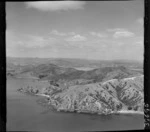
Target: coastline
(130, 112)
(43, 95)
(32, 111)
(118, 112)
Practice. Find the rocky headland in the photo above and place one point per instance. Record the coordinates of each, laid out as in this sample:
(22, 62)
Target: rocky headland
(86, 96)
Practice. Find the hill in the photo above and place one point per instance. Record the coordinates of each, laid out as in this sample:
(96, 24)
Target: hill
(72, 62)
(102, 97)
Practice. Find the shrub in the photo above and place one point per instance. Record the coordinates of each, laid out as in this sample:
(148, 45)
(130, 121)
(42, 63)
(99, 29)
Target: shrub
(129, 108)
(41, 76)
(119, 107)
(136, 108)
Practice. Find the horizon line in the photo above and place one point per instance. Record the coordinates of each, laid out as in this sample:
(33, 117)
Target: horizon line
(78, 58)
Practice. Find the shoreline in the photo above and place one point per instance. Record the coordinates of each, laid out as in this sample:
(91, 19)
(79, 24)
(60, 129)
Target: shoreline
(129, 112)
(43, 95)
(118, 112)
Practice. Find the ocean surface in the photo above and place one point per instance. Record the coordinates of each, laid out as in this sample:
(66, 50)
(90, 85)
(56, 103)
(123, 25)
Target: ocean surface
(24, 114)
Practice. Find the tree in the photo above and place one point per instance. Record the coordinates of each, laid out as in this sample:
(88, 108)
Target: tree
(41, 76)
(75, 105)
(136, 108)
(119, 107)
(129, 108)
(52, 82)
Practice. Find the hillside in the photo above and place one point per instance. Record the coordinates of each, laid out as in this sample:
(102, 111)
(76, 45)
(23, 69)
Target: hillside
(110, 87)
(57, 73)
(101, 97)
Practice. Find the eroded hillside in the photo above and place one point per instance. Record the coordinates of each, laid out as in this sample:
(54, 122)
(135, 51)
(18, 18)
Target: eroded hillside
(100, 97)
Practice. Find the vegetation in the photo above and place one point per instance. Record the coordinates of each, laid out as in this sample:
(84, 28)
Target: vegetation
(107, 88)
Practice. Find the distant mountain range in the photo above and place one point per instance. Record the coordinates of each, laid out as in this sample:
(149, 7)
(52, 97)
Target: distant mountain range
(54, 72)
(45, 67)
(67, 62)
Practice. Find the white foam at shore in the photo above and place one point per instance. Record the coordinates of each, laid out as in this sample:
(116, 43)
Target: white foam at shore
(130, 112)
(43, 95)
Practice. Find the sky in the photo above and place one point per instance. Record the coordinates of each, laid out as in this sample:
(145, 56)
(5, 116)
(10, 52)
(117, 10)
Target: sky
(101, 30)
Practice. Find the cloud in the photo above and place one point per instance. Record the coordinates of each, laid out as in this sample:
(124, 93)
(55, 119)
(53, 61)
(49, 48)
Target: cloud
(33, 41)
(56, 5)
(58, 33)
(115, 29)
(139, 41)
(77, 38)
(11, 39)
(55, 32)
(119, 34)
(98, 34)
(72, 33)
(140, 21)
(15, 40)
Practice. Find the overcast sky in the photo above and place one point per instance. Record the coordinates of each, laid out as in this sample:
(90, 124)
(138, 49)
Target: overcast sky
(75, 29)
